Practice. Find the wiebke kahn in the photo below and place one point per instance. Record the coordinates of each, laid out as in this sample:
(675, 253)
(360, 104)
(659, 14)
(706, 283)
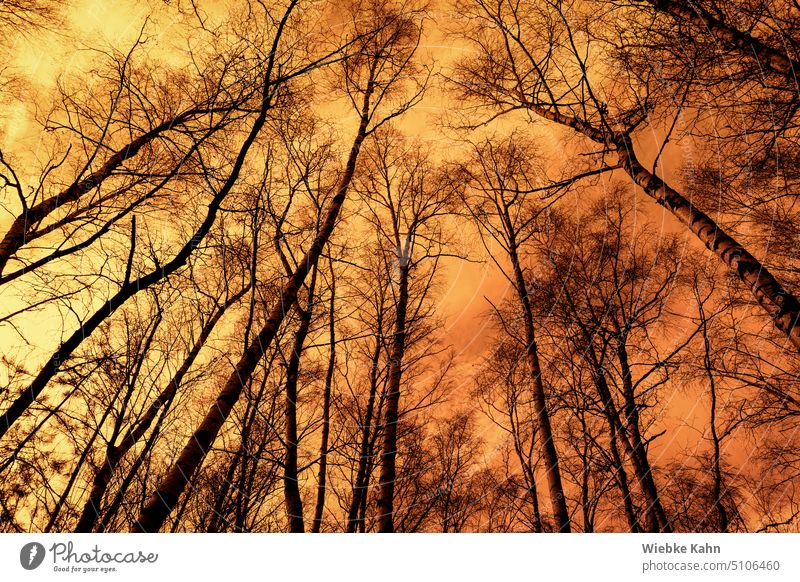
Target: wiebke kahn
(675, 548)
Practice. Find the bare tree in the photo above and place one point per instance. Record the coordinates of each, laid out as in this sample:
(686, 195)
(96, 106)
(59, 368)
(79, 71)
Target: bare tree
(324, 447)
(385, 54)
(405, 200)
(115, 451)
(272, 88)
(496, 179)
(552, 77)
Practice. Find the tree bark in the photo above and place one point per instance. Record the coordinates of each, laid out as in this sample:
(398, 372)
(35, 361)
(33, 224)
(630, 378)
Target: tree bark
(326, 410)
(389, 449)
(781, 305)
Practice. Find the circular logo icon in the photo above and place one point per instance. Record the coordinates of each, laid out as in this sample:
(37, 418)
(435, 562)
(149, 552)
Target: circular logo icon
(31, 555)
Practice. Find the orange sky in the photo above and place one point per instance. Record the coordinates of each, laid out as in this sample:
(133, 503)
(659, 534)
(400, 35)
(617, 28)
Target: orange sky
(43, 57)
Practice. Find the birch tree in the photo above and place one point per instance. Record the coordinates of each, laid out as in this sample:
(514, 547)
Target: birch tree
(543, 61)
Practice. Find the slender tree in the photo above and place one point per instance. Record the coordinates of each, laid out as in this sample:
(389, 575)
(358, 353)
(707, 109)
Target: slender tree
(495, 182)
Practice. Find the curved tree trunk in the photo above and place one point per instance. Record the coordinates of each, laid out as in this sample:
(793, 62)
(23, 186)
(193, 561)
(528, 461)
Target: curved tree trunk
(780, 304)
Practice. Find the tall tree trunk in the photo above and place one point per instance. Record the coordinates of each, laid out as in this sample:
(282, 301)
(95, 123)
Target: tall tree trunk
(370, 465)
(547, 443)
(620, 473)
(616, 435)
(588, 519)
(362, 478)
(250, 456)
(781, 305)
(656, 517)
(291, 486)
(389, 449)
(639, 448)
(163, 501)
(326, 409)
(716, 467)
